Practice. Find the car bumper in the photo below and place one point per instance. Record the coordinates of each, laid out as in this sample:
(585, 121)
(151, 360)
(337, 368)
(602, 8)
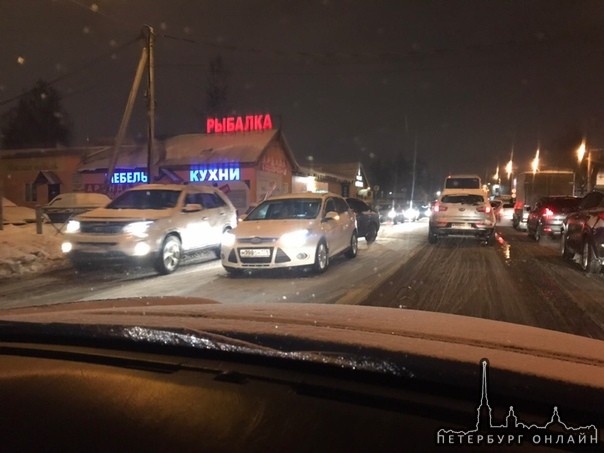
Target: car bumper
(553, 227)
(111, 247)
(479, 230)
(270, 256)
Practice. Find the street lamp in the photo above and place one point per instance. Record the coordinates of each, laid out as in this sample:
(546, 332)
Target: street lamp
(535, 162)
(508, 168)
(581, 152)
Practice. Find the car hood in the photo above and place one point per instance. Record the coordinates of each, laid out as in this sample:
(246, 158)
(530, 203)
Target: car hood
(272, 228)
(370, 331)
(104, 214)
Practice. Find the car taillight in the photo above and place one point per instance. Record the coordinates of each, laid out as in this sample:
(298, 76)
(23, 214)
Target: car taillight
(485, 209)
(439, 208)
(548, 212)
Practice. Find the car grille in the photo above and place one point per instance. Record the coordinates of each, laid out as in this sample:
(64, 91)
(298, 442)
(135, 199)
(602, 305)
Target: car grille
(256, 240)
(102, 227)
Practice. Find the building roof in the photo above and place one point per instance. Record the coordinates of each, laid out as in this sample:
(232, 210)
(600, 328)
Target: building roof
(130, 156)
(243, 148)
(346, 171)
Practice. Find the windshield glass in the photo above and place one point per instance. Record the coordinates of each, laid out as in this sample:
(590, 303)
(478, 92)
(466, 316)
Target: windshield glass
(463, 199)
(146, 199)
(286, 209)
(462, 183)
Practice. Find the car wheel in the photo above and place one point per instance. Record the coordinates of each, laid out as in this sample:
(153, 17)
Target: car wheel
(589, 263)
(537, 234)
(354, 246)
(565, 251)
(321, 258)
(432, 237)
(371, 233)
(217, 251)
(169, 256)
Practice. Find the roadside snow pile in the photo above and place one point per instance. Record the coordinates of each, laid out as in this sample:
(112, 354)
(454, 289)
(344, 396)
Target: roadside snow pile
(22, 251)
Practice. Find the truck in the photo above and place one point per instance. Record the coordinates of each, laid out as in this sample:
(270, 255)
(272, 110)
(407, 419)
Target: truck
(531, 186)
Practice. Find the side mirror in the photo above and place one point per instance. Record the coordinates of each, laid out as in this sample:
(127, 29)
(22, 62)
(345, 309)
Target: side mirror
(192, 207)
(331, 215)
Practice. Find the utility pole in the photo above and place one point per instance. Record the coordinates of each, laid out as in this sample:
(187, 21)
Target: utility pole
(146, 61)
(413, 176)
(151, 170)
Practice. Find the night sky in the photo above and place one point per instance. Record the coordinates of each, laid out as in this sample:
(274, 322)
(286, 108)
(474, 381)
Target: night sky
(363, 80)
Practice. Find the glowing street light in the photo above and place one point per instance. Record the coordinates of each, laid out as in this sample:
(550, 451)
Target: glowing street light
(496, 175)
(508, 168)
(581, 152)
(535, 162)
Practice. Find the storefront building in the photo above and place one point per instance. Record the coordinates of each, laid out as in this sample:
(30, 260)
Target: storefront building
(347, 179)
(248, 165)
(244, 156)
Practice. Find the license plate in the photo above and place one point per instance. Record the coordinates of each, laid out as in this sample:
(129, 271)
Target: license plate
(462, 226)
(255, 253)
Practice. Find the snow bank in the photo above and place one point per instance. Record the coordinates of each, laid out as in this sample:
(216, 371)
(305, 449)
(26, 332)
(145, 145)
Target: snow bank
(22, 251)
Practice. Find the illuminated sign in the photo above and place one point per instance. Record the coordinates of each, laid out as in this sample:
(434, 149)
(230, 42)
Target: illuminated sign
(245, 123)
(359, 179)
(215, 174)
(129, 177)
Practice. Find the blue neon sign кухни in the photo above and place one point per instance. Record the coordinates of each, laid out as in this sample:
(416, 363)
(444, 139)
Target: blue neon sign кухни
(209, 174)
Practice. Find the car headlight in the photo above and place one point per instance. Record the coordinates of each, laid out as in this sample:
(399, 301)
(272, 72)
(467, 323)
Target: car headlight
(73, 226)
(138, 229)
(295, 238)
(228, 239)
(392, 213)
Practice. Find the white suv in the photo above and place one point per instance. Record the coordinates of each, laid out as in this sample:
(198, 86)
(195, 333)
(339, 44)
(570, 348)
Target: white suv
(462, 214)
(156, 223)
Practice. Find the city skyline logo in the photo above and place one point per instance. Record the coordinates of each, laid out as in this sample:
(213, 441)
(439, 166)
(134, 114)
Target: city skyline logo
(513, 431)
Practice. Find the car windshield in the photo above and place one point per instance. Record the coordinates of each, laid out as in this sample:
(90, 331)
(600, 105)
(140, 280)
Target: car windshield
(462, 183)
(462, 199)
(146, 199)
(226, 138)
(286, 209)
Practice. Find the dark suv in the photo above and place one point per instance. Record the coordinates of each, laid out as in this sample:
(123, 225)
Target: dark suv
(583, 233)
(548, 214)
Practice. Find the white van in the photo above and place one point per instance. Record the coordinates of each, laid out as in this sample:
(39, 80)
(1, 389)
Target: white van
(463, 184)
